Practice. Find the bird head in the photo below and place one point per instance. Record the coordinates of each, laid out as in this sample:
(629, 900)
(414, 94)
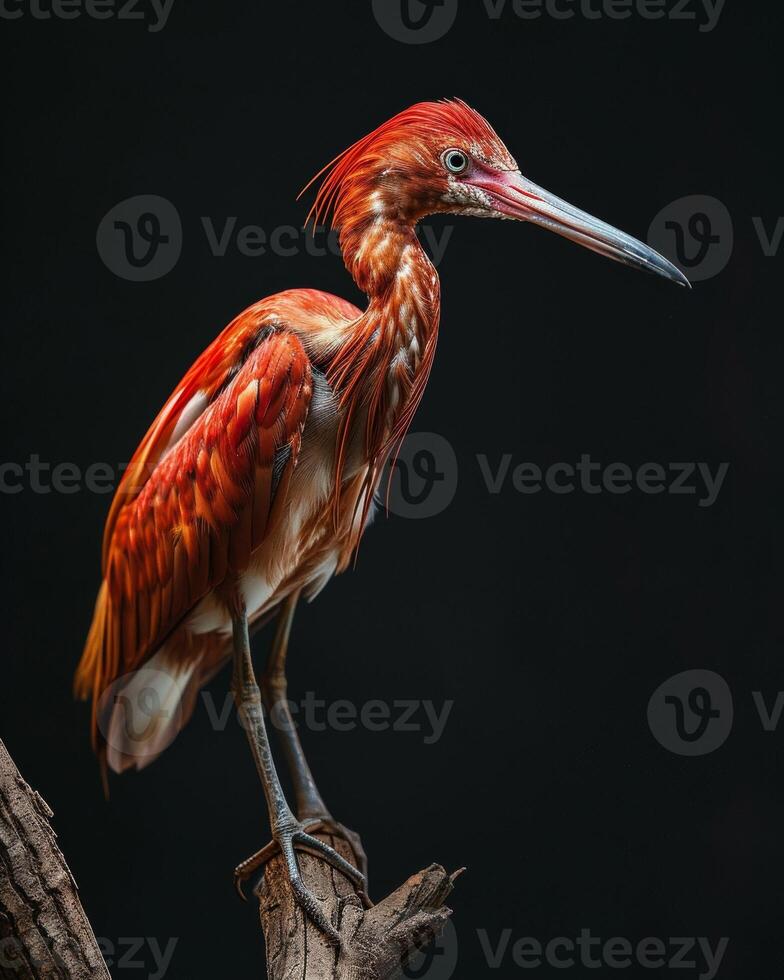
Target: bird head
(444, 157)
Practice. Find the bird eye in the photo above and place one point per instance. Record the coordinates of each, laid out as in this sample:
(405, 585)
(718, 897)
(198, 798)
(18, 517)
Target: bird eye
(455, 161)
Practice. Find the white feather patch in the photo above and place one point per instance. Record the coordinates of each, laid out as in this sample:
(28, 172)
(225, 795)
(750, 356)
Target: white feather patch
(145, 711)
(194, 408)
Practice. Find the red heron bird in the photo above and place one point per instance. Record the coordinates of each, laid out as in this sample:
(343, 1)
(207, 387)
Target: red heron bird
(256, 481)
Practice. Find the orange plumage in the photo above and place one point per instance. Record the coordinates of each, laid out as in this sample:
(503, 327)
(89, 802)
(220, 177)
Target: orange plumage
(256, 480)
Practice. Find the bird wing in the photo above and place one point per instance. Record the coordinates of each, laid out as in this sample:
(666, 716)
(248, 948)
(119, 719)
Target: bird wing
(195, 503)
(205, 378)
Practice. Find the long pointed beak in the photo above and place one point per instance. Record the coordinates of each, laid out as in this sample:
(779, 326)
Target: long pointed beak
(515, 196)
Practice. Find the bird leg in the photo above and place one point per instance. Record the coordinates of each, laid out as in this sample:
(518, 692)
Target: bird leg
(311, 808)
(288, 832)
(274, 691)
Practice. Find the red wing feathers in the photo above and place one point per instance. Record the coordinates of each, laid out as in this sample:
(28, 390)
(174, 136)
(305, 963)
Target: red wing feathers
(187, 515)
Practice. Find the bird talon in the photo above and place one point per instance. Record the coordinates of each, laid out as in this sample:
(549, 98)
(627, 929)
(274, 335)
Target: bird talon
(330, 855)
(331, 826)
(238, 887)
(287, 843)
(245, 869)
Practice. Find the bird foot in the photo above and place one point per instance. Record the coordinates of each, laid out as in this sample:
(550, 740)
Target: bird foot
(299, 837)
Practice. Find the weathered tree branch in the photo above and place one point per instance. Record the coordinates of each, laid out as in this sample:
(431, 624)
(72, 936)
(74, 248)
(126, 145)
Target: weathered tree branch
(44, 933)
(376, 942)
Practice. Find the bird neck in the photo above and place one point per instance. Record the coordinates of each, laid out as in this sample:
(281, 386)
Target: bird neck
(392, 342)
(379, 373)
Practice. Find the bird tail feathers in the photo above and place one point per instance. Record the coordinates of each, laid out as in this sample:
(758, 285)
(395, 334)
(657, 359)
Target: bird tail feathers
(136, 715)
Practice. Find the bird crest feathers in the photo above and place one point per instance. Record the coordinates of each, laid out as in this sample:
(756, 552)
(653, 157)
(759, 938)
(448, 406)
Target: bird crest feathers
(423, 122)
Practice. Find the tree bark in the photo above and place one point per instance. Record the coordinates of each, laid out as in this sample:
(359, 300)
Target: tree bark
(44, 933)
(375, 942)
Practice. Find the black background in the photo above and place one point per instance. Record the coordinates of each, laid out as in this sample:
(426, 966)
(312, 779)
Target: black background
(548, 619)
